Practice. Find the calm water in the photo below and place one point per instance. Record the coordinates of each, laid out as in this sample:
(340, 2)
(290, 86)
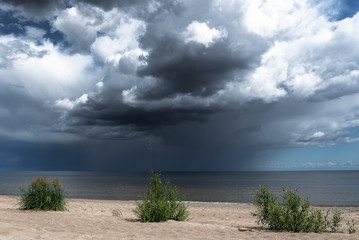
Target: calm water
(340, 188)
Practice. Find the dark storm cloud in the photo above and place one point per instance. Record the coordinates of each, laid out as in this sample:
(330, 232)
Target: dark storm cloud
(22, 115)
(109, 4)
(249, 129)
(147, 10)
(112, 155)
(334, 92)
(46, 8)
(190, 68)
(122, 121)
(186, 77)
(41, 8)
(37, 8)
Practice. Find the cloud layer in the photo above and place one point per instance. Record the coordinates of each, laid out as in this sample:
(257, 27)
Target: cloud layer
(206, 79)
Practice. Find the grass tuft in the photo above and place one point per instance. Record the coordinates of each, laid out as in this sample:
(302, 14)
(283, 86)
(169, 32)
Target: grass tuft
(351, 226)
(290, 212)
(43, 194)
(160, 203)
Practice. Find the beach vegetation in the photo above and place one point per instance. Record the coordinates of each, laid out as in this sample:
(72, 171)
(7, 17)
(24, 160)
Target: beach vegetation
(351, 226)
(336, 219)
(161, 202)
(43, 194)
(117, 213)
(288, 211)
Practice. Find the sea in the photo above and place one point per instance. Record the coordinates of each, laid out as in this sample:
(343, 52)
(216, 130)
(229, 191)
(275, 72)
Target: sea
(324, 188)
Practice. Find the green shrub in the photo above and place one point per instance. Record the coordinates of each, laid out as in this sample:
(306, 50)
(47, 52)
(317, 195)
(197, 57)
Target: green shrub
(160, 203)
(351, 226)
(336, 219)
(290, 212)
(43, 194)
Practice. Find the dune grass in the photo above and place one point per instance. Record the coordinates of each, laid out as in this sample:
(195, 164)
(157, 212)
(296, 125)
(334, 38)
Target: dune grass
(351, 226)
(43, 194)
(160, 203)
(290, 212)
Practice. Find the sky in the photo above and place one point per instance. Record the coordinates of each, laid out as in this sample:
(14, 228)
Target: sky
(182, 85)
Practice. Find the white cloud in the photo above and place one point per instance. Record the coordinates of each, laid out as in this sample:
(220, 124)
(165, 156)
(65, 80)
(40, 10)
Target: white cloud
(318, 134)
(67, 104)
(129, 96)
(276, 19)
(84, 26)
(201, 33)
(79, 29)
(307, 54)
(122, 39)
(99, 85)
(263, 84)
(82, 99)
(52, 75)
(109, 36)
(351, 140)
(180, 101)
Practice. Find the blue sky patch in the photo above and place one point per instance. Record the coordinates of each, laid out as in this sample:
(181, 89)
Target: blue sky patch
(16, 25)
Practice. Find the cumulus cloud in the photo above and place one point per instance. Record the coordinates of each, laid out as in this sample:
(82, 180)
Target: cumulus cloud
(201, 33)
(271, 19)
(304, 60)
(60, 74)
(78, 28)
(67, 104)
(84, 25)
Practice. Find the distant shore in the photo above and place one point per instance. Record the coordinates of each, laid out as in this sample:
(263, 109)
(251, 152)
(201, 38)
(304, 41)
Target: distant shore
(114, 219)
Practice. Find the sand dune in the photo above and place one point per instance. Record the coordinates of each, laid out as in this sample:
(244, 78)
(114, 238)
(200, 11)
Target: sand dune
(99, 219)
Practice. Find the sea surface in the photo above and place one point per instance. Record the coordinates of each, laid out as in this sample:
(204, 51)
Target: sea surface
(334, 188)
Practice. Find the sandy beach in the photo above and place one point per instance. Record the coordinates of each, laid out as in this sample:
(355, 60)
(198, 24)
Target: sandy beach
(103, 219)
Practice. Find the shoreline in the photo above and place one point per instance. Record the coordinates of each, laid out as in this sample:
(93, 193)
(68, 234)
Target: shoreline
(195, 202)
(114, 219)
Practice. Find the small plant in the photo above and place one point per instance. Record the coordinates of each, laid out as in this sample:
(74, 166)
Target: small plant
(336, 219)
(43, 194)
(117, 213)
(160, 203)
(351, 226)
(290, 212)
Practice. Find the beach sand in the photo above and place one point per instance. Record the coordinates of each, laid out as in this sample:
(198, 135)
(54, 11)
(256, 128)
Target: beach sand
(103, 219)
